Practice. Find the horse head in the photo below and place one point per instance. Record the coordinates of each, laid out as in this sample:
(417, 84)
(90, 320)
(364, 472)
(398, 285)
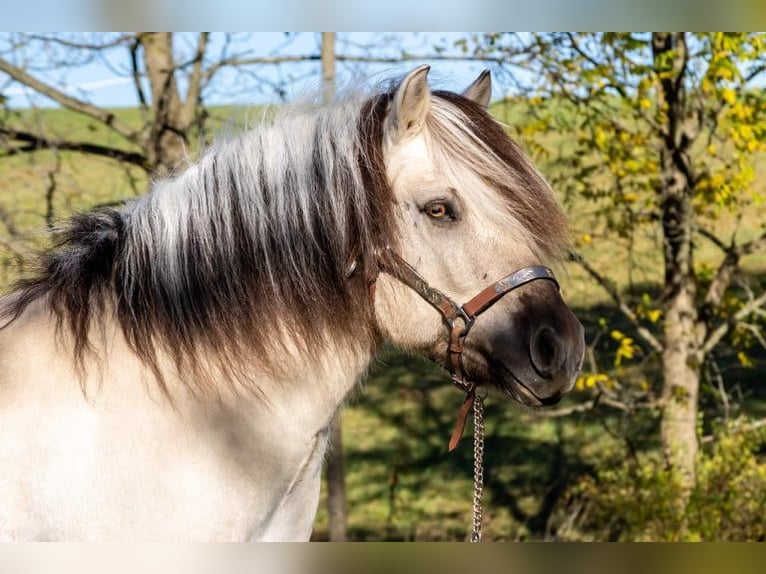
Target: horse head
(470, 209)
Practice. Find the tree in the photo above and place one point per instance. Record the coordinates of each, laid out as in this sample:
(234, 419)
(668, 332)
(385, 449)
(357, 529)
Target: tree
(336, 473)
(157, 67)
(667, 127)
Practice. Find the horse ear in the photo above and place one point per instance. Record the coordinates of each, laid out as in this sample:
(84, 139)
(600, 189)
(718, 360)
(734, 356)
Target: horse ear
(410, 105)
(480, 91)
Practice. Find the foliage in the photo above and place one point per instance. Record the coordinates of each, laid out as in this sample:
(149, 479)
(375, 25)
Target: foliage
(666, 132)
(642, 499)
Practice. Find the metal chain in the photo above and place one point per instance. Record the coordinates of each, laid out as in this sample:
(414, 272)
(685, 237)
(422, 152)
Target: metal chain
(478, 465)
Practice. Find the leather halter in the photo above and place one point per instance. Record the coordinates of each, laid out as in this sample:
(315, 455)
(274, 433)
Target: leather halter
(459, 319)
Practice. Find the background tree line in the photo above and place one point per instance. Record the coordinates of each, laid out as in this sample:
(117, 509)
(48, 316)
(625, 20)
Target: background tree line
(657, 144)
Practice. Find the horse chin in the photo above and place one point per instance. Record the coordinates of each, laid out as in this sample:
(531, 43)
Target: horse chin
(487, 372)
(495, 373)
(521, 394)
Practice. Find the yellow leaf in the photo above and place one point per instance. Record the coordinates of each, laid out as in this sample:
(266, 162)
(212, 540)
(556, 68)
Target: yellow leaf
(587, 238)
(744, 360)
(645, 103)
(729, 96)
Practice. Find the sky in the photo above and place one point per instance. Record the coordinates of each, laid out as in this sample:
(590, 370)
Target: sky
(105, 81)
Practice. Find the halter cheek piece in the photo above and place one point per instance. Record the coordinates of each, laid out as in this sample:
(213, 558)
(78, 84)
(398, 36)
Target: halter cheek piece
(458, 318)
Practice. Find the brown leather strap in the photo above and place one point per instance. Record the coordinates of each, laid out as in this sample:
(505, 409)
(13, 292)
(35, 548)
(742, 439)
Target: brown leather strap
(457, 336)
(486, 298)
(462, 416)
(393, 264)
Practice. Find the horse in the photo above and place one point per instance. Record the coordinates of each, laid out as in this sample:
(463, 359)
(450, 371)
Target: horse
(171, 368)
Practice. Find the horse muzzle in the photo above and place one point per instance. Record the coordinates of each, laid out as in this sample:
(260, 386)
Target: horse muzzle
(534, 355)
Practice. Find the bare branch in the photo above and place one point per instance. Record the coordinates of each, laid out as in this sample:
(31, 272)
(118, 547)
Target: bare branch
(50, 193)
(754, 73)
(134, 46)
(755, 330)
(716, 378)
(599, 399)
(104, 116)
(14, 246)
(723, 329)
(34, 142)
(713, 238)
(609, 287)
(119, 40)
(406, 57)
(195, 81)
(729, 265)
(7, 220)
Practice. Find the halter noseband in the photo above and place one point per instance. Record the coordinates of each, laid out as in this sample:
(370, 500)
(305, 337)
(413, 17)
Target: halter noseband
(459, 319)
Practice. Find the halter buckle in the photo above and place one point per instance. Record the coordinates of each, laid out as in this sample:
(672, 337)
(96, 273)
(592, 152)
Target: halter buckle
(467, 319)
(463, 384)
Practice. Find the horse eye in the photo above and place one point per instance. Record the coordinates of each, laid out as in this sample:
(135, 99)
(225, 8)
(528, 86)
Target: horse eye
(439, 210)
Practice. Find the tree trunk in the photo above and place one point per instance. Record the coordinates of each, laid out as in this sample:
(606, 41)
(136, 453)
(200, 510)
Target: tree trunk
(336, 484)
(681, 356)
(336, 473)
(166, 140)
(328, 66)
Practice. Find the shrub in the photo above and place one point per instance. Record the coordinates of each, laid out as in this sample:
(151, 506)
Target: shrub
(641, 499)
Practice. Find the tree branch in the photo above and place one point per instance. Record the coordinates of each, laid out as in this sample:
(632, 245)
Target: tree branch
(599, 399)
(277, 60)
(50, 192)
(609, 287)
(36, 142)
(729, 265)
(195, 81)
(104, 116)
(723, 329)
(135, 69)
(14, 246)
(81, 45)
(7, 220)
(713, 238)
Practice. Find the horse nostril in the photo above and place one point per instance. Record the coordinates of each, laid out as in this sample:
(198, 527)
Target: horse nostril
(545, 350)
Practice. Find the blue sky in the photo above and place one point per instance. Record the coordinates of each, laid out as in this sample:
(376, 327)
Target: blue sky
(106, 82)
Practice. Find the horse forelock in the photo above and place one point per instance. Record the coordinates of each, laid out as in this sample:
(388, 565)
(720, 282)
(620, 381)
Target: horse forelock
(466, 136)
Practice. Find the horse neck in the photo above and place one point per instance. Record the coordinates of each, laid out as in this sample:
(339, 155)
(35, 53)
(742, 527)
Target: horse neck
(297, 400)
(316, 384)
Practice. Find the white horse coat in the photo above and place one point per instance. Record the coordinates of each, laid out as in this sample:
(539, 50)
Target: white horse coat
(122, 465)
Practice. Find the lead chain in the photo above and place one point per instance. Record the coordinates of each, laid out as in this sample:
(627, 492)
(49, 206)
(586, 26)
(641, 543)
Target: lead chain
(478, 465)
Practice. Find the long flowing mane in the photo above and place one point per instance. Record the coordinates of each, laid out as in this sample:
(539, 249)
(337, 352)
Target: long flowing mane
(216, 265)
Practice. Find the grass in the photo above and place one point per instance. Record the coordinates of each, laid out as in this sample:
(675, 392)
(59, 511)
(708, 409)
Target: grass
(402, 484)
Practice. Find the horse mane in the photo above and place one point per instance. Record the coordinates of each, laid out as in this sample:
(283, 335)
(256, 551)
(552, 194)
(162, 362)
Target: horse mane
(217, 264)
